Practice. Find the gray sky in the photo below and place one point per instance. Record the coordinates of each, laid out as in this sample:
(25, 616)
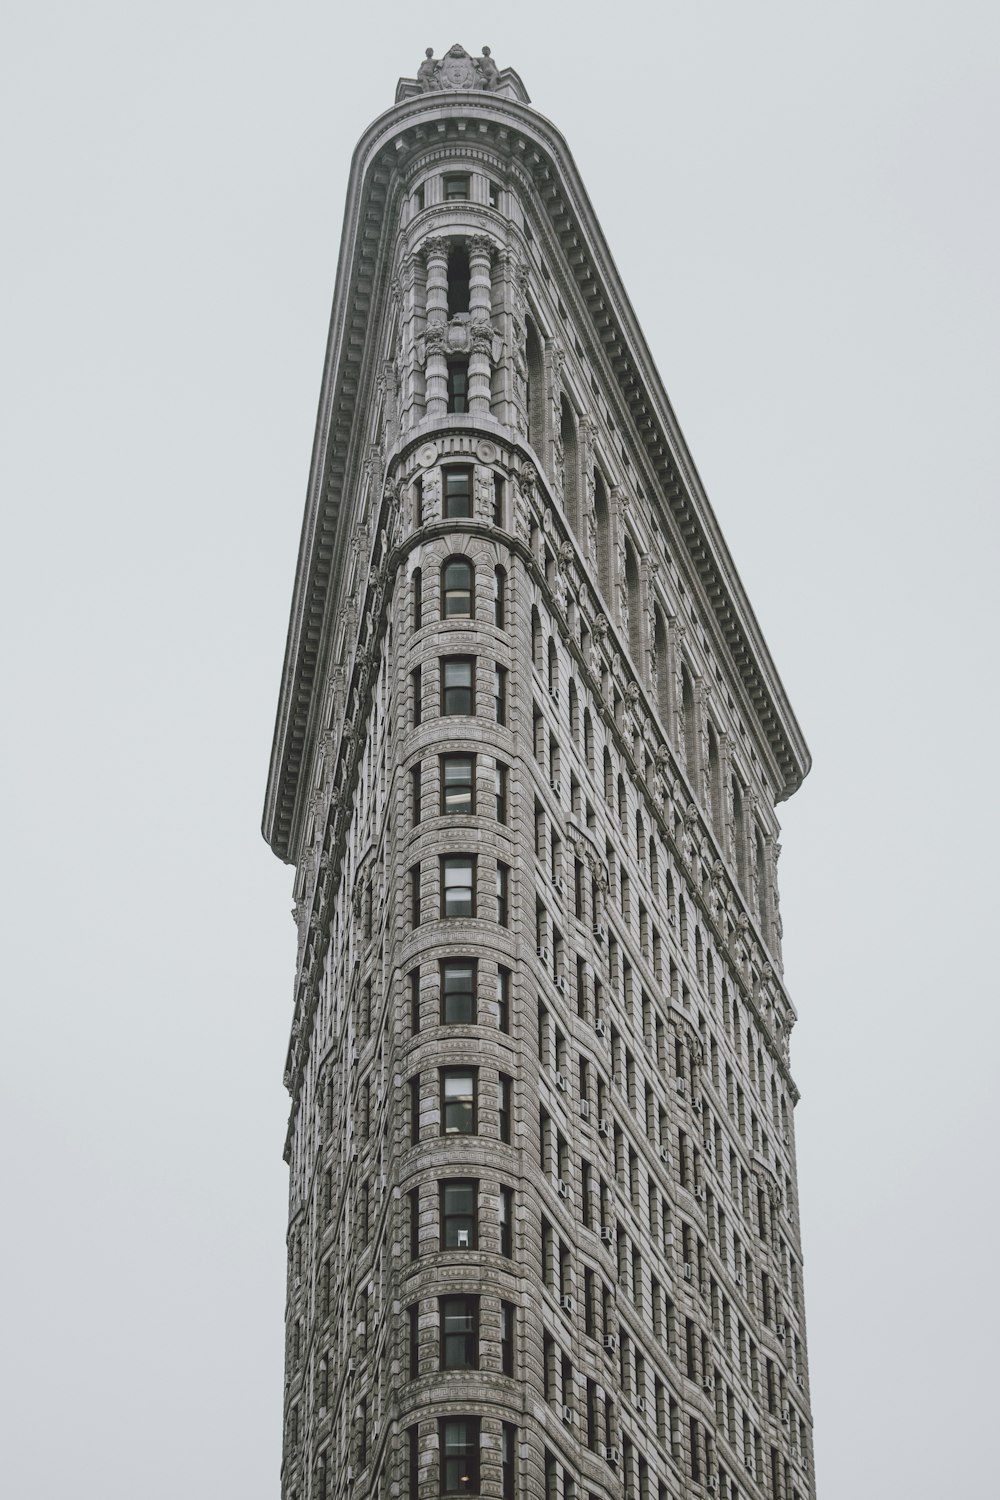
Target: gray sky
(803, 204)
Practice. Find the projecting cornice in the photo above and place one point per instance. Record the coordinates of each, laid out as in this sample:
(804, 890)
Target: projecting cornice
(540, 155)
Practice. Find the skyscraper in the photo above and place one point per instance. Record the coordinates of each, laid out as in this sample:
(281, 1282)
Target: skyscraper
(543, 1235)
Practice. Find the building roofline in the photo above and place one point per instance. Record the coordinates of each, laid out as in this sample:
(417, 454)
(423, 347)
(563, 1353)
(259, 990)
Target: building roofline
(348, 372)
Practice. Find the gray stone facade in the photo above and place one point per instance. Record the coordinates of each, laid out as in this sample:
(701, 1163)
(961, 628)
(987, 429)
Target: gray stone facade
(543, 1236)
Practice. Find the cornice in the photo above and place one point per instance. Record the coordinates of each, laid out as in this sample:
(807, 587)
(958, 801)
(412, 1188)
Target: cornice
(353, 357)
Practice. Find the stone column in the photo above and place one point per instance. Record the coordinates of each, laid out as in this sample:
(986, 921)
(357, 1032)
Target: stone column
(436, 365)
(481, 325)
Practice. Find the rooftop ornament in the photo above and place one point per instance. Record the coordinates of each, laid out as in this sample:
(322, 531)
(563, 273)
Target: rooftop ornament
(457, 70)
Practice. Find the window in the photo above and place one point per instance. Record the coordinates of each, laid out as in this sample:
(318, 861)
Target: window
(414, 1000)
(459, 1439)
(498, 496)
(416, 689)
(459, 1227)
(503, 1000)
(500, 598)
(458, 1101)
(415, 791)
(506, 1100)
(459, 1318)
(508, 1448)
(507, 1222)
(413, 1315)
(458, 991)
(500, 693)
(458, 386)
(458, 783)
(457, 685)
(507, 1337)
(493, 194)
(414, 1196)
(457, 589)
(417, 598)
(457, 493)
(415, 895)
(458, 881)
(415, 1109)
(503, 913)
(458, 279)
(501, 777)
(456, 188)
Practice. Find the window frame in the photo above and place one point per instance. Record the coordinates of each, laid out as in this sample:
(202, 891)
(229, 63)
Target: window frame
(466, 1104)
(458, 560)
(469, 1457)
(454, 471)
(448, 180)
(455, 758)
(458, 389)
(447, 861)
(501, 784)
(445, 1218)
(469, 688)
(469, 1335)
(443, 966)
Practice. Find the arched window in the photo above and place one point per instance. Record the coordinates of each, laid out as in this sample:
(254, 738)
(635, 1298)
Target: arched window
(588, 739)
(574, 713)
(458, 279)
(536, 640)
(690, 727)
(715, 777)
(761, 878)
(417, 597)
(536, 388)
(609, 777)
(602, 517)
(739, 832)
(457, 589)
(500, 598)
(632, 591)
(571, 466)
(662, 664)
(553, 674)
(622, 803)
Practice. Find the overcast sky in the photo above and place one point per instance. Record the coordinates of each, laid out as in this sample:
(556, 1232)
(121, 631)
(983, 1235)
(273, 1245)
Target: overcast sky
(803, 204)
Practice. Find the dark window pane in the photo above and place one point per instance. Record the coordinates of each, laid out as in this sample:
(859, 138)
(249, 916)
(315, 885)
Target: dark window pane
(458, 385)
(456, 188)
(458, 991)
(507, 1221)
(457, 492)
(459, 1333)
(460, 1456)
(458, 1215)
(500, 694)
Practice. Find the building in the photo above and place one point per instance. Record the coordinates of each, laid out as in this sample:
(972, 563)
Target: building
(542, 1238)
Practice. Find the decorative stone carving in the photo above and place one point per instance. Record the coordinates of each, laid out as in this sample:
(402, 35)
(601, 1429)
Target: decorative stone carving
(457, 71)
(431, 495)
(483, 494)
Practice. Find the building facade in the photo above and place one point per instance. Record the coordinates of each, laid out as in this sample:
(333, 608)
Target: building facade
(543, 1236)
